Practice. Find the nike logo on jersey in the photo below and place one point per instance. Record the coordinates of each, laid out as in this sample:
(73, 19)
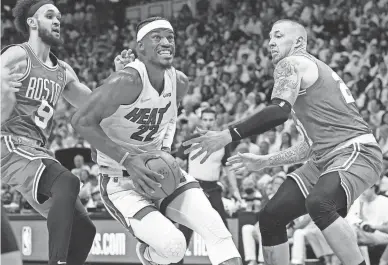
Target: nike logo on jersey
(145, 100)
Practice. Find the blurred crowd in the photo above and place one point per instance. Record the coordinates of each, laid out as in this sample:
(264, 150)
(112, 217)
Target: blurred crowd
(223, 50)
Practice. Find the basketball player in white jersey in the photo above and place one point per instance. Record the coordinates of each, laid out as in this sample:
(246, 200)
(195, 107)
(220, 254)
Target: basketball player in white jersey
(135, 112)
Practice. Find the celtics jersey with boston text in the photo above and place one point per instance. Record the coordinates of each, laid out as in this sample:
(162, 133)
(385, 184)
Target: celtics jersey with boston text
(144, 123)
(32, 115)
(326, 112)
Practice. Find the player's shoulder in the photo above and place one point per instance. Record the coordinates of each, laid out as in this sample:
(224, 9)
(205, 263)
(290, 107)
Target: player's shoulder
(70, 73)
(13, 55)
(128, 75)
(299, 63)
(123, 86)
(181, 78)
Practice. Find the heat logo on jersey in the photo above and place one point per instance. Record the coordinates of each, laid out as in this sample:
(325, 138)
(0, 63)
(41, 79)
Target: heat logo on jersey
(149, 120)
(43, 89)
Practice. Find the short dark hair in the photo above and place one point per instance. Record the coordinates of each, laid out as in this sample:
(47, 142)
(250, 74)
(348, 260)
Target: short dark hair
(208, 110)
(146, 21)
(20, 12)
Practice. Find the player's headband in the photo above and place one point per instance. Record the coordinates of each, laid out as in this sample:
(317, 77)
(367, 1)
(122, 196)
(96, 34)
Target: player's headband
(157, 24)
(31, 12)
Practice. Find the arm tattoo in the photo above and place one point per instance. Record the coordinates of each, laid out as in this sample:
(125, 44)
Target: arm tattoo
(293, 155)
(287, 81)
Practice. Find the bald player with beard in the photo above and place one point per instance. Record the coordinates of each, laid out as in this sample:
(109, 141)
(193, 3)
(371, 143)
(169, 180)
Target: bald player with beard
(343, 157)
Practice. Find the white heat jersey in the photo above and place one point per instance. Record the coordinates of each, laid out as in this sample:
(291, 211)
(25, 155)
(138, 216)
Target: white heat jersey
(144, 123)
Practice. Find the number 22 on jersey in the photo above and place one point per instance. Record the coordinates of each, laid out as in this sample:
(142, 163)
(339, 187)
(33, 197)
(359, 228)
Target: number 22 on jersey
(43, 114)
(344, 89)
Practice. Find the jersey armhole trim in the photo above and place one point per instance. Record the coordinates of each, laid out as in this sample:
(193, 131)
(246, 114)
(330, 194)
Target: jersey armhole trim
(319, 79)
(127, 106)
(28, 70)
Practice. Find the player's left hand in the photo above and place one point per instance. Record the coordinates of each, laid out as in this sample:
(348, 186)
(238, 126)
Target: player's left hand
(209, 142)
(124, 58)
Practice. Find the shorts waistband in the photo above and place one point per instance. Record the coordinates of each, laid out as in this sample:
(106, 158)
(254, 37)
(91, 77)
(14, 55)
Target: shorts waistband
(362, 139)
(23, 140)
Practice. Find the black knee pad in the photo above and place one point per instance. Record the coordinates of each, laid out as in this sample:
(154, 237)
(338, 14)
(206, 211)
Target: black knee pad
(272, 226)
(66, 184)
(322, 210)
(327, 202)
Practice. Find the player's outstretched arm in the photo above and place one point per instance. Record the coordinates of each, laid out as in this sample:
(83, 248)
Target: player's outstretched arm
(75, 92)
(288, 75)
(121, 88)
(298, 153)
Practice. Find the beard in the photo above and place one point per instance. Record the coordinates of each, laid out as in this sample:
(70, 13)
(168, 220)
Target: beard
(48, 38)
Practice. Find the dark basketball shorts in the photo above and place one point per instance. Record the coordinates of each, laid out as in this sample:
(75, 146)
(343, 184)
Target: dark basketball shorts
(358, 164)
(8, 240)
(22, 165)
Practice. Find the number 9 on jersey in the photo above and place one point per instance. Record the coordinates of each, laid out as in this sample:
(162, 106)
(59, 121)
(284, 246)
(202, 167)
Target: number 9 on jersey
(43, 115)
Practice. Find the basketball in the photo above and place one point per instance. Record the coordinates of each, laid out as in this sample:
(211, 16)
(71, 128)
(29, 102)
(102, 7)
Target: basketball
(167, 166)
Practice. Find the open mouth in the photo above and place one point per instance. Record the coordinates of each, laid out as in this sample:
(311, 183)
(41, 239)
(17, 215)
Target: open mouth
(56, 31)
(165, 52)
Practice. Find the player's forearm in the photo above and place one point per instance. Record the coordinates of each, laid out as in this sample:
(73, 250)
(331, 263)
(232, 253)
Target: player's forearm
(99, 140)
(232, 179)
(95, 135)
(293, 155)
(273, 115)
(382, 228)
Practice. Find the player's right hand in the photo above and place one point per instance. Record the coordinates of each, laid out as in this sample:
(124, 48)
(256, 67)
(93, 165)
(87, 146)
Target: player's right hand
(142, 177)
(241, 163)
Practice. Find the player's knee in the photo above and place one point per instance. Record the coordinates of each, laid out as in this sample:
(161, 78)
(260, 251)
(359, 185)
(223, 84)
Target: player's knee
(247, 229)
(322, 209)
(174, 246)
(270, 218)
(272, 226)
(213, 228)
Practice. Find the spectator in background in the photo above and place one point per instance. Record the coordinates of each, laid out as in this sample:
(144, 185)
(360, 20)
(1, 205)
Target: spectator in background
(209, 173)
(304, 230)
(370, 211)
(382, 133)
(80, 166)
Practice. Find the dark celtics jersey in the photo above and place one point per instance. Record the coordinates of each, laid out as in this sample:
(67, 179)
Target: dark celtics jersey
(42, 86)
(326, 112)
